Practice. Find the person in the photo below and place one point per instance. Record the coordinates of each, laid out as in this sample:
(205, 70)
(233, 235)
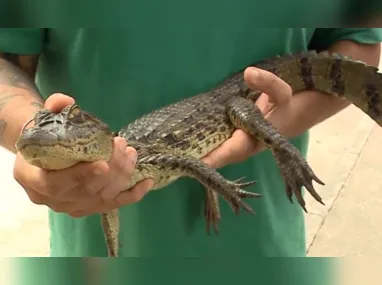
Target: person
(162, 56)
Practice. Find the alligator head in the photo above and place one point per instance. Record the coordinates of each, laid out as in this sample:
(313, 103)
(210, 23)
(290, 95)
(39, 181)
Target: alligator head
(60, 140)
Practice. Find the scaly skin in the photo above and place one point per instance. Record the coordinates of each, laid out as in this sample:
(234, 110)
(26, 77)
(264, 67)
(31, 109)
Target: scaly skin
(170, 141)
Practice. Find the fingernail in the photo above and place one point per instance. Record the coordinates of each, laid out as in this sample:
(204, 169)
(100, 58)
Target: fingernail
(123, 147)
(132, 156)
(97, 171)
(253, 74)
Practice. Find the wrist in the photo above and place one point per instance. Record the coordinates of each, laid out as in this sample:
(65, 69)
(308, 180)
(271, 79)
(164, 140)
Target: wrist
(12, 120)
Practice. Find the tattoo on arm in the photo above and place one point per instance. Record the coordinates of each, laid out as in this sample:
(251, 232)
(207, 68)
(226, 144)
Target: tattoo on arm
(17, 73)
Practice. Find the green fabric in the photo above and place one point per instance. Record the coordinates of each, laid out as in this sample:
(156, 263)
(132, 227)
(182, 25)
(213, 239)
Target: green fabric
(21, 41)
(325, 37)
(162, 56)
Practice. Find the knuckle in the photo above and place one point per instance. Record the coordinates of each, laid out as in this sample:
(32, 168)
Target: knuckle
(117, 162)
(120, 201)
(134, 194)
(107, 193)
(139, 191)
(82, 174)
(270, 80)
(91, 190)
(50, 188)
(120, 143)
(67, 207)
(127, 170)
(58, 208)
(17, 174)
(45, 184)
(137, 195)
(93, 187)
(129, 163)
(36, 198)
(121, 166)
(51, 191)
(125, 199)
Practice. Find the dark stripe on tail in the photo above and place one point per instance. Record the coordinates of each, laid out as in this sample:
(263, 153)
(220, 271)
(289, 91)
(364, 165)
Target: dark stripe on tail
(373, 101)
(338, 82)
(306, 72)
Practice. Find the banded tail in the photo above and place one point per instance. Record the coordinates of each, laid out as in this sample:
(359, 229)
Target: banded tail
(334, 74)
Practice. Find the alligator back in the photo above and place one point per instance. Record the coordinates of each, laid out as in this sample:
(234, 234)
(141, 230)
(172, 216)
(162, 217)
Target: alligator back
(179, 123)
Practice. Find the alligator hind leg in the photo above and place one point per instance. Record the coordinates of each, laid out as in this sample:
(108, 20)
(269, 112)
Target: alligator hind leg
(245, 115)
(212, 211)
(110, 226)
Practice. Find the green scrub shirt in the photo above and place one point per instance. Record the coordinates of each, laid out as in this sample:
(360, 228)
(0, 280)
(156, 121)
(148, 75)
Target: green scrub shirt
(159, 57)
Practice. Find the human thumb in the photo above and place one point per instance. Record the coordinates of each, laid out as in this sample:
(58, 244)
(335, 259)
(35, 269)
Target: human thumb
(57, 101)
(277, 89)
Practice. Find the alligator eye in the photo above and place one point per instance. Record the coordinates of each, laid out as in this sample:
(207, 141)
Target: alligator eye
(74, 112)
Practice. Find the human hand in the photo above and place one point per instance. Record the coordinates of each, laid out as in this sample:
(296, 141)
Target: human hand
(275, 105)
(85, 188)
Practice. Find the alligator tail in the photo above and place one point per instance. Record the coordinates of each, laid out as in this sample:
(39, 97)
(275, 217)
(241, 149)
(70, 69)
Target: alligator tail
(334, 74)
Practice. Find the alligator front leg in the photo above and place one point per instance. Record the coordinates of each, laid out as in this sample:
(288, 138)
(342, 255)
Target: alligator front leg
(214, 182)
(245, 115)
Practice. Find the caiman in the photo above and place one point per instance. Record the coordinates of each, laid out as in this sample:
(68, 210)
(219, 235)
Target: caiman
(171, 141)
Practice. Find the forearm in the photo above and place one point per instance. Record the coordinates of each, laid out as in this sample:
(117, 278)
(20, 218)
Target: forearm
(311, 108)
(19, 99)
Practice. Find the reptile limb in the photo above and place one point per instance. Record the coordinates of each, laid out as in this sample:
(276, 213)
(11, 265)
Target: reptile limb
(212, 211)
(245, 115)
(110, 224)
(213, 181)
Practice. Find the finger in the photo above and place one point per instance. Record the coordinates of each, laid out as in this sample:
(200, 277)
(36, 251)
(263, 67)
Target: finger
(277, 89)
(122, 166)
(134, 194)
(234, 150)
(63, 207)
(60, 183)
(57, 101)
(92, 180)
(130, 196)
(36, 197)
(90, 206)
(35, 179)
(124, 158)
(57, 206)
